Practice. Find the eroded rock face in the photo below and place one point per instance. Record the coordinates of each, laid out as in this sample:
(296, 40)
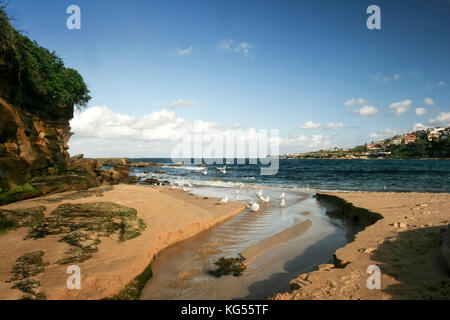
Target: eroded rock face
(31, 141)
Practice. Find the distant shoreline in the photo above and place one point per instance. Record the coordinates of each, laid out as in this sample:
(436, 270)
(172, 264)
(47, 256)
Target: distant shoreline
(391, 158)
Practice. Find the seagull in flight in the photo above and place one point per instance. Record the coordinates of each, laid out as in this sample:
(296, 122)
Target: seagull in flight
(223, 169)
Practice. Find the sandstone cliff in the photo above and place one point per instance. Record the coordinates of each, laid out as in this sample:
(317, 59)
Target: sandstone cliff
(30, 142)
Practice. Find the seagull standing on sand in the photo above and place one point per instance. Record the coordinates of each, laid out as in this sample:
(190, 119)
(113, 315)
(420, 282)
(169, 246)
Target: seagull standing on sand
(282, 196)
(259, 194)
(224, 200)
(254, 207)
(282, 203)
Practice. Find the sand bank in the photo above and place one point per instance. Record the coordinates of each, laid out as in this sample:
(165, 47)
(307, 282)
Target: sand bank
(276, 240)
(169, 216)
(405, 244)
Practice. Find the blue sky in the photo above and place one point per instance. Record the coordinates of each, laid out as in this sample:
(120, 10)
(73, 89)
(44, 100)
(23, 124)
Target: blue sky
(259, 64)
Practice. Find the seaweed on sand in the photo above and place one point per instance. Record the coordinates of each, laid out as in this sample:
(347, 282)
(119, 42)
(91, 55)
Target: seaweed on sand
(227, 266)
(82, 225)
(27, 267)
(13, 219)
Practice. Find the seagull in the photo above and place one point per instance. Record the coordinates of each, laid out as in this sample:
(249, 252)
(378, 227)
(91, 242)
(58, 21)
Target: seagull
(282, 196)
(259, 194)
(223, 170)
(224, 200)
(205, 171)
(189, 185)
(265, 199)
(282, 203)
(385, 188)
(254, 207)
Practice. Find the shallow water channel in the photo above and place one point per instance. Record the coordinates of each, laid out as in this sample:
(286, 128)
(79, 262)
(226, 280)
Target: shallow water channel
(279, 243)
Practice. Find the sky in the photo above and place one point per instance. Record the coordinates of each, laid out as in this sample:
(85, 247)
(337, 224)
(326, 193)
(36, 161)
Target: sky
(159, 71)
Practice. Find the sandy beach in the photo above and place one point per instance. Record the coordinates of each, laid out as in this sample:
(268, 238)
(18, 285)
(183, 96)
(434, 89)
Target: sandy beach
(169, 216)
(405, 244)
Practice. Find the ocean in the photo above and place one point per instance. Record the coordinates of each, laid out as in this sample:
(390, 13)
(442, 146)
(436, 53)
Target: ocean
(317, 174)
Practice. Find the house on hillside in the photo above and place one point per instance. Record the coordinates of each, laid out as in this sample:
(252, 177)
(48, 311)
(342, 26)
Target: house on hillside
(410, 138)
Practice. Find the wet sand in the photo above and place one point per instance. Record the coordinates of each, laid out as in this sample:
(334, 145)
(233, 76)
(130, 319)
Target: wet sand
(278, 239)
(405, 244)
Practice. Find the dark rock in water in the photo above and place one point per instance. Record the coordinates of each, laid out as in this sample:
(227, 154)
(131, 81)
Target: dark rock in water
(146, 171)
(159, 172)
(151, 181)
(145, 164)
(114, 162)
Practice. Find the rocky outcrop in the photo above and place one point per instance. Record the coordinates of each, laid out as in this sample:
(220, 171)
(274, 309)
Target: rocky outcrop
(30, 142)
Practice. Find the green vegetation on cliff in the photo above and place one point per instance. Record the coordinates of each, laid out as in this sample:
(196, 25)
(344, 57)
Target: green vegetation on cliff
(39, 71)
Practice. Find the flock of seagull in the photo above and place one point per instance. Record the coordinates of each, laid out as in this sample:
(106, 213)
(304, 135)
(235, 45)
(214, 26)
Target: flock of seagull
(254, 206)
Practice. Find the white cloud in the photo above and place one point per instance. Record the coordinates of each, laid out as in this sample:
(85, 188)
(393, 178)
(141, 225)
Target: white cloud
(401, 107)
(180, 103)
(101, 132)
(421, 111)
(419, 126)
(441, 83)
(225, 44)
(299, 143)
(333, 126)
(429, 101)
(355, 102)
(366, 111)
(184, 52)
(379, 77)
(310, 125)
(443, 120)
(385, 133)
(243, 48)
